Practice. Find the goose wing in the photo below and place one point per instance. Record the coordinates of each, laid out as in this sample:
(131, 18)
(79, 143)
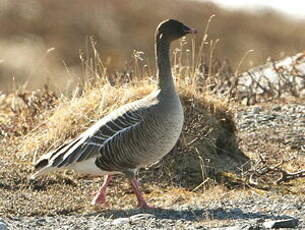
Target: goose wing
(89, 143)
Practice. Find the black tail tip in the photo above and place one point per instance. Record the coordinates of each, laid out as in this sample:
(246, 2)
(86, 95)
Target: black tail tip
(41, 164)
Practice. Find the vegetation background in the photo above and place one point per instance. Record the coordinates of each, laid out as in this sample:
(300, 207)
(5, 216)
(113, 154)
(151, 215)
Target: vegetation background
(41, 41)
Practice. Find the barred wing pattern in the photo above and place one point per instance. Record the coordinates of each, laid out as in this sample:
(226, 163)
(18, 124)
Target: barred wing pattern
(90, 143)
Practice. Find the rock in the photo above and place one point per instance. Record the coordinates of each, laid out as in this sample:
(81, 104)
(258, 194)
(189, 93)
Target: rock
(288, 223)
(138, 217)
(120, 221)
(276, 108)
(3, 225)
(256, 109)
(239, 227)
(131, 219)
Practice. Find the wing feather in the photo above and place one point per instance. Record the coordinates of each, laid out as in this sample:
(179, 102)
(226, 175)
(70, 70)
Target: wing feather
(88, 144)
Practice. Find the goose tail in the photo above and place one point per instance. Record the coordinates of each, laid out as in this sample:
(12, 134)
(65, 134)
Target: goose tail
(45, 163)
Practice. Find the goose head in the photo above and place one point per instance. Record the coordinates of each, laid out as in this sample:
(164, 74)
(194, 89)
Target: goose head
(171, 30)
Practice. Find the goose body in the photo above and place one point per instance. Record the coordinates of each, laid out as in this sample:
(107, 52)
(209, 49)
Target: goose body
(133, 136)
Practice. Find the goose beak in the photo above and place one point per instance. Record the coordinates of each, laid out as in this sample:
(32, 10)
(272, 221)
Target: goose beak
(190, 31)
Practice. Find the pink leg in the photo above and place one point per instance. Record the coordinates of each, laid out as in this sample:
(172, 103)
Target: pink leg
(141, 202)
(100, 197)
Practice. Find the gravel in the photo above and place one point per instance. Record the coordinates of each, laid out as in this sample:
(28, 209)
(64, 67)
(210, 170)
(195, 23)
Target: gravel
(3, 225)
(247, 210)
(283, 124)
(258, 117)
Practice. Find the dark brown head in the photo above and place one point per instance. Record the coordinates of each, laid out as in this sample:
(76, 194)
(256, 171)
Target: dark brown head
(172, 29)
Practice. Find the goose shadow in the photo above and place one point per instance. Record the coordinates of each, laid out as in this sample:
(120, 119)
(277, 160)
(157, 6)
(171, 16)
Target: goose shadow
(190, 214)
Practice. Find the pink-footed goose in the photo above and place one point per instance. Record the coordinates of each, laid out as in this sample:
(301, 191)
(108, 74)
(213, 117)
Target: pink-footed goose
(132, 136)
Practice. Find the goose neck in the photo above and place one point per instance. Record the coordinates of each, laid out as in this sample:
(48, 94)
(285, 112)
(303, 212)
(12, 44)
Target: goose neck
(163, 64)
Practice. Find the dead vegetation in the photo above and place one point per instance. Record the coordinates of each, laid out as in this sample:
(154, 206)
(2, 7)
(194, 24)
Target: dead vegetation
(274, 80)
(262, 170)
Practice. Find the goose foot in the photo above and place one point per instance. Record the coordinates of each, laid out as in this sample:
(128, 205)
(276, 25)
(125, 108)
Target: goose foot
(100, 196)
(141, 201)
(99, 199)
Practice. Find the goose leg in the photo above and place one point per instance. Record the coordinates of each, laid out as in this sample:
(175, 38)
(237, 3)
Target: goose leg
(100, 197)
(135, 187)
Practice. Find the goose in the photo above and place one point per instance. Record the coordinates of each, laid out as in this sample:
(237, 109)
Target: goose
(133, 136)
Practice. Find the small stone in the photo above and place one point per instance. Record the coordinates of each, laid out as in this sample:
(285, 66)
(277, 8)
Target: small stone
(141, 217)
(288, 223)
(276, 108)
(239, 227)
(132, 219)
(120, 221)
(3, 226)
(256, 109)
